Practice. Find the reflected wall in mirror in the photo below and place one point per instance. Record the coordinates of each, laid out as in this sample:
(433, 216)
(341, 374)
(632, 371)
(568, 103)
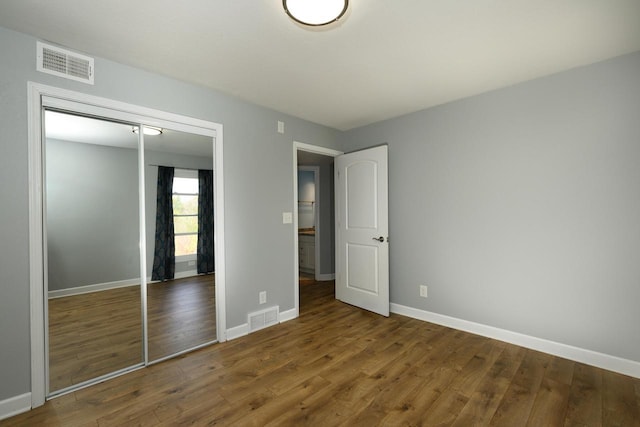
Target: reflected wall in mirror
(179, 239)
(92, 248)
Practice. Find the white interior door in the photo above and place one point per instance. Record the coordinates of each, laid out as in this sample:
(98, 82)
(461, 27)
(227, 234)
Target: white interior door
(362, 226)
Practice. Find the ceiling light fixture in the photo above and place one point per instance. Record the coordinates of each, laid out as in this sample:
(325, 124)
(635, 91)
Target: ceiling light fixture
(315, 12)
(148, 130)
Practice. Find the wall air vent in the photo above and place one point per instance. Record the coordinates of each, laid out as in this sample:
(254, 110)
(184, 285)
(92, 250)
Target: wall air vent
(64, 63)
(263, 318)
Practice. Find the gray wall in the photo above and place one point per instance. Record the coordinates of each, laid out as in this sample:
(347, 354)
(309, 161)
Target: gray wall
(92, 214)
(92, 222)
(327, 215)
(520, 208)
(257, 162)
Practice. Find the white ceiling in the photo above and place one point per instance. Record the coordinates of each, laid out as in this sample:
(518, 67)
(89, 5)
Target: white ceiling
(384, 59)
(86, 130)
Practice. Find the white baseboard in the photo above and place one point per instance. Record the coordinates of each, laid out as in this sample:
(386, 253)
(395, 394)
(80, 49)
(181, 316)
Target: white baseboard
(287, 315)
(325, 277)
(183, 274)
(110, 285)
(15, 405)
(589, 357)
(237, 331)
(176, 276)
(59, 293)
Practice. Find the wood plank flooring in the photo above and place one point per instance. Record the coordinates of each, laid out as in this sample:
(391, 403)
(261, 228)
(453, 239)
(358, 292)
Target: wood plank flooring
(93, 334)
(101, 332)
(182, 314)
(337, 365)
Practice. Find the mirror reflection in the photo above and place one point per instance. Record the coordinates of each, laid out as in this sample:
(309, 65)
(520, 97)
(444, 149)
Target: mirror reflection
(179, 239)
(92, 248)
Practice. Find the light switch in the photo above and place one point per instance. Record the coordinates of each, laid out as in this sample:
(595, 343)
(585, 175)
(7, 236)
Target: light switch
(287, 217)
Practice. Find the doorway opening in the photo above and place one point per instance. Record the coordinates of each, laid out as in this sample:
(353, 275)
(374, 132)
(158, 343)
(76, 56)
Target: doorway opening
(314, 221)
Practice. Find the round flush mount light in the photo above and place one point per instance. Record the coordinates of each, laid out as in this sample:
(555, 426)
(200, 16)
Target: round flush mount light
(315, 12)
(148, 130)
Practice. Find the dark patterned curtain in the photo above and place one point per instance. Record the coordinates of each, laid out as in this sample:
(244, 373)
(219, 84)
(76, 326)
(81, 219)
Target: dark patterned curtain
(164, 255)
(205, 222)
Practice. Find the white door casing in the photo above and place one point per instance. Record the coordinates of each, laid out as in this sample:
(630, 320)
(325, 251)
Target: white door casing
(362, 229)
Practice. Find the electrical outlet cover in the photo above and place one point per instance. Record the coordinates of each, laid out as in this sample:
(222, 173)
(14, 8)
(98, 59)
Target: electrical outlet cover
(423, 291)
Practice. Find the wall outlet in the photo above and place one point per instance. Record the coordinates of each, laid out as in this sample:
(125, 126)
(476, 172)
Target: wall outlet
(263, 297)
(287, 217)
(423, 291)
(280, 127)
(191, 263)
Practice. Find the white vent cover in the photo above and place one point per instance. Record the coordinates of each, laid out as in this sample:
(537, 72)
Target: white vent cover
(263, 318)
(64, 63)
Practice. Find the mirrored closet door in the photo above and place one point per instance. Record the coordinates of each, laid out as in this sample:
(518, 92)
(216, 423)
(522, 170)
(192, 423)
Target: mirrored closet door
(179, 239)
(92, 249)
(129, 246)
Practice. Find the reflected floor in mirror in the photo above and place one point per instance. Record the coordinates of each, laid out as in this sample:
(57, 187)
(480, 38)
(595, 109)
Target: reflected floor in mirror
(93, 334)
(181, 314)
(97, 333)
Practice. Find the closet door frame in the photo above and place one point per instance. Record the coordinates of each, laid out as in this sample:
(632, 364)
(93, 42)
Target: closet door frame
(41, 96)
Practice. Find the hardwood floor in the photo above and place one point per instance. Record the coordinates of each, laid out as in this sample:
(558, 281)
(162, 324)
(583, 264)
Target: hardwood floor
(306, 278)
(182, 314)
(337, 365)
(93, 334)
(101, 332)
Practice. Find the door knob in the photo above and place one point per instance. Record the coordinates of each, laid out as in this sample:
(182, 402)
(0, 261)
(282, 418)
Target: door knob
(379, 239)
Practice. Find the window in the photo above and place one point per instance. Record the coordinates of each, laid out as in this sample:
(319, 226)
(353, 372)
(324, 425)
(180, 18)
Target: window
(185, 212)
